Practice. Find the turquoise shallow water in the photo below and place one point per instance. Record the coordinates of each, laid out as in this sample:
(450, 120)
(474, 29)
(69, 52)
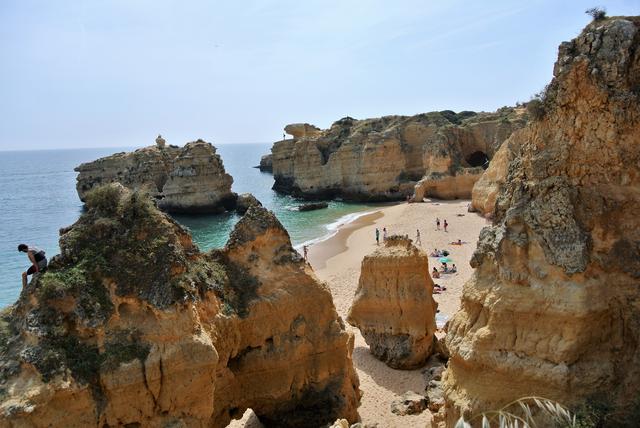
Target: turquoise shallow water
(38, 197)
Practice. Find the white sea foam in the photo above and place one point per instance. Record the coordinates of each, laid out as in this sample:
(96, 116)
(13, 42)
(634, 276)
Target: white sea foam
(332, 228)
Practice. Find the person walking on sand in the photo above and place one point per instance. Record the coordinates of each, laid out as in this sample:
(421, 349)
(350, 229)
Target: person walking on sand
(418, 241)
(377, 236)
(38, 260)
(437, 223)
(384, 233)
(445, 225)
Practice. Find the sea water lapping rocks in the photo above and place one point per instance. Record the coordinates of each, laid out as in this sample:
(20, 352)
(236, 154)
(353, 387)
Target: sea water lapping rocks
(132, 324)
(437, 154)
(189, 179)
(552, 308)
(36, 220)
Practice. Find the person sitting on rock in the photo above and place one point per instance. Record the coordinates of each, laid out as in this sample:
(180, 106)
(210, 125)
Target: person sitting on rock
(435, 273)
(37, 258)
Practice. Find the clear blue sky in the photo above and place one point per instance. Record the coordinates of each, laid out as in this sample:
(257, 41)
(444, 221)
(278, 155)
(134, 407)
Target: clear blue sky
(99, 73)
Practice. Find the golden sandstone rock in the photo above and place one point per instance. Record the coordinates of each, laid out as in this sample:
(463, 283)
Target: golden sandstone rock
(190, 179)
(437, 154)
(394, 307)
(486, 189)
(132, 324)
(552, 308)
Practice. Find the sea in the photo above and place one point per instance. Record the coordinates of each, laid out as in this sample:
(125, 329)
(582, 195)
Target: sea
(38, 197)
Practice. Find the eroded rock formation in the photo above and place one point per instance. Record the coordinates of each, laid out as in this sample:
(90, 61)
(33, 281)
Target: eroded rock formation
(133, 325)
(393, 305)
(437, 154)
(266, 163)
(190, 179)
(488, 187)
(553, 307)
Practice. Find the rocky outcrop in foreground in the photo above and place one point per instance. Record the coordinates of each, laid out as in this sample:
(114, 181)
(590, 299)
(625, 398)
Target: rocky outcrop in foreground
(394, 307)
(553, 307)
(190, 179)
(133, 326)
(437, 154)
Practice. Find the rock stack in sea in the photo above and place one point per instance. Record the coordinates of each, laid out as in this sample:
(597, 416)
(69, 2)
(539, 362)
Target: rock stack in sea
(437, 154)
(393, 306)
(553, 307)
(133, 326)
(189, 179)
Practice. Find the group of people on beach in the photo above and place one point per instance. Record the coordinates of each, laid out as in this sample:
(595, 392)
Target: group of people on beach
(435, 273)
(384, 235)
(444, 224)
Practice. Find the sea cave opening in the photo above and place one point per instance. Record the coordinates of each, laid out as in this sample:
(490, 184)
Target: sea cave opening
(478, 158)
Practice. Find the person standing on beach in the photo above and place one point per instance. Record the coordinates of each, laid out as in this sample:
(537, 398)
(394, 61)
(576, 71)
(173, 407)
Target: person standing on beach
(445, 225)
(437, 223)
(384, 233)
(37, 258)
(305, 250)
(377, 236)
(418, 241)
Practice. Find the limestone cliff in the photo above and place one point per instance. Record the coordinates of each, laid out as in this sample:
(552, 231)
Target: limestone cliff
(190, 179)
(553, 306)
(394, 307)
(266, 163)
(133, 325)
(385, 158)
(486, 189)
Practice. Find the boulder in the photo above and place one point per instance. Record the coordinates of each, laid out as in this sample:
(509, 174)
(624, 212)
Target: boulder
(191, 179)
(266, 163)
(246, 201)
(409, 403)
(393, 306)
(435, 396)
(301, 130)
(132, 325)
(313, 206)
(551, 309)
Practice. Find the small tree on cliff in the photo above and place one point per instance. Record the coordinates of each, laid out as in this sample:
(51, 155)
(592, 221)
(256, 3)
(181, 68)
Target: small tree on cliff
(597, 13)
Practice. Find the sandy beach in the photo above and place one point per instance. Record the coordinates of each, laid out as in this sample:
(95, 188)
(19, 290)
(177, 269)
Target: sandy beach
(337, 260)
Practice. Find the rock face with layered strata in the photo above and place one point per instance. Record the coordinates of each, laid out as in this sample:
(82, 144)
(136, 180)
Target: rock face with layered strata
(133, 325)
(190, 179)
(553, 307)
(266, 163)
(487, 188)
(393, 305)
(387, 158)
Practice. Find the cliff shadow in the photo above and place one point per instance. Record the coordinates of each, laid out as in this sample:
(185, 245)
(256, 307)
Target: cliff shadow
(396, 381)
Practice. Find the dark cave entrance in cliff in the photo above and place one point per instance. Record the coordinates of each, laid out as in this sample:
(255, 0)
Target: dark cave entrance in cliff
(478, 159)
